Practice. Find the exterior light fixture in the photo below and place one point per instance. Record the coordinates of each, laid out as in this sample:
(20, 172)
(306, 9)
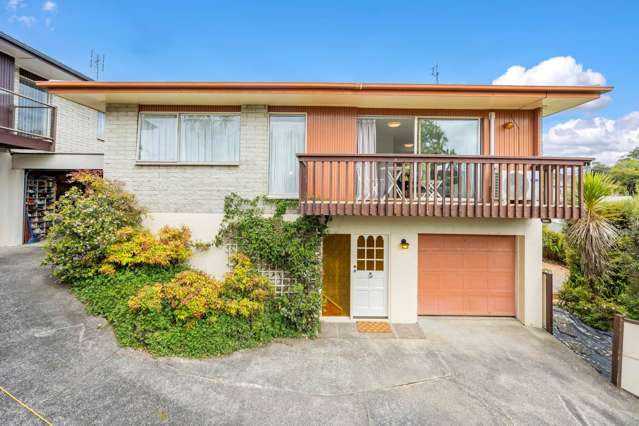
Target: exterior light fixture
(394, 124)
(509, 125)
(408, 145)
(403, 244)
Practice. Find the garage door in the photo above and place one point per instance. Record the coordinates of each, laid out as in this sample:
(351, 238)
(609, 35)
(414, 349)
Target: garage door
(466, 275)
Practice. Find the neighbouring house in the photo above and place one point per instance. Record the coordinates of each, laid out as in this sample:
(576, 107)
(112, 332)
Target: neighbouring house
(43, 137)
(435, 193)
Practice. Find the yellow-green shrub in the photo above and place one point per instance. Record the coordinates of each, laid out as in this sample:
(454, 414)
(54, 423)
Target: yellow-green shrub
(148, 299)
(244, 282)
(193, 295)
(85, 221)
(136, 247)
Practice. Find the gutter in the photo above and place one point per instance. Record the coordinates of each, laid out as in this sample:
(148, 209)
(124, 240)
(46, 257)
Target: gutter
(99, 86)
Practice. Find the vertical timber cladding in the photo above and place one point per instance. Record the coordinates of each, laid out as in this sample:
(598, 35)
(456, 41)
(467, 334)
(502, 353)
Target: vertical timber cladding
(336, 275)
(466, 275)
(7, 80)
(523, 139)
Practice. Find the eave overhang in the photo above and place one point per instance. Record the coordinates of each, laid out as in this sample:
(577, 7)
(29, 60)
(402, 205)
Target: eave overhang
(551, 99)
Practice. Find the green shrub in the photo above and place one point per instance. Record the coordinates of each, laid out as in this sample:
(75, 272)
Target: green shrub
(301, 309)
(245, 290)
(85, 224)
(152, 325)
(136, 247)
(580, 297)
(290, 245)
(596, 300)
(554, 244)
(193, 295)
(108, 296)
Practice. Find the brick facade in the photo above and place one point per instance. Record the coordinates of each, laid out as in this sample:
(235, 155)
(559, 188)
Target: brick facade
(76, 129)
(186, 188)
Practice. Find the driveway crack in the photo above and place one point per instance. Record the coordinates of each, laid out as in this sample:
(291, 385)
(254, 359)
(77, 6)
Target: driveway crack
(257, 386)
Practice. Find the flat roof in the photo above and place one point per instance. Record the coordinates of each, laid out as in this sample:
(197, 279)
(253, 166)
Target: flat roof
(551, 99)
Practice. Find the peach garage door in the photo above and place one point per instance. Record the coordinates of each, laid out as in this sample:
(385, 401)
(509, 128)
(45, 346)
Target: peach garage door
(466, 275)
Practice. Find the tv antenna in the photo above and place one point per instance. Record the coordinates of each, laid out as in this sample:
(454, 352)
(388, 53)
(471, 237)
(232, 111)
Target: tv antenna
(435, 73)
(96, 64)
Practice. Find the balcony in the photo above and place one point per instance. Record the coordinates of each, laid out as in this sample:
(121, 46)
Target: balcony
(441, 186)
(25, 122)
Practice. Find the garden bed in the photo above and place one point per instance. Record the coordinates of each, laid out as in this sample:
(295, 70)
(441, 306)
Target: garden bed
(142, 284)
(594, 346)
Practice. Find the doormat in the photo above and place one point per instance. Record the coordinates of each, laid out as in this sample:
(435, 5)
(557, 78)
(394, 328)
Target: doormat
(373, 327)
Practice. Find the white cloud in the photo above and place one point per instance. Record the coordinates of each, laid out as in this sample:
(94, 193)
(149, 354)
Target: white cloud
(14, 4)
(49, 6)
(605, 139)
(25, 20)
(557, 71)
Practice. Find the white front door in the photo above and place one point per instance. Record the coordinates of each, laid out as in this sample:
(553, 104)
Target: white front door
(369, 287)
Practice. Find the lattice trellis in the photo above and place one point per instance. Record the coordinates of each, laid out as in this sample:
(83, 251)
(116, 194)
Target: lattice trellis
(281, 279)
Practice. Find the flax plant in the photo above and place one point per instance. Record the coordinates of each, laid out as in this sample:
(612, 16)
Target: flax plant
(593, 235)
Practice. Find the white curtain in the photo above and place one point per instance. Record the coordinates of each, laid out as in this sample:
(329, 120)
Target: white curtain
(33, 117)
(99, 131)
(366, 172)
(208, 138)
(158, 137)
(287, 138)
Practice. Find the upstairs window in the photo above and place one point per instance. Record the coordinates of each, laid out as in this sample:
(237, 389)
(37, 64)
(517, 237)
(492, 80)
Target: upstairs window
(451, 136)
(158, 137)
(287, 134)
(189, 138)
(209, 138)
(99, 131)
(33, 113)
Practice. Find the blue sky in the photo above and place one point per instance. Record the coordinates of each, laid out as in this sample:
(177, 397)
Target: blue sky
(473, 42)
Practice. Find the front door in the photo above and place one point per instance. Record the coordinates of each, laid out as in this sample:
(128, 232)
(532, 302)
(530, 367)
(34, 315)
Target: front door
(369, 287)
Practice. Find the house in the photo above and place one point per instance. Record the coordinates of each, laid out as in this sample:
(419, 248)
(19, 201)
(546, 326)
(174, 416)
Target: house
(42, 138)
(435, 193)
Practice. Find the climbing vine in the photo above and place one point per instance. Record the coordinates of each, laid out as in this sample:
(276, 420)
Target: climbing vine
(288, 244)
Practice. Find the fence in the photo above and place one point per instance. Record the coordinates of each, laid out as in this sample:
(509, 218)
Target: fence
(548, 301)
(625, 354)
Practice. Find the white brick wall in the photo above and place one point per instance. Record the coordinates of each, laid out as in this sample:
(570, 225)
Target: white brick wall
(76, 128)
(186, 189)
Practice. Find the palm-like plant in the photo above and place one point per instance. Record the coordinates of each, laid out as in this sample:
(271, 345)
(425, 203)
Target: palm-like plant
(594, 234)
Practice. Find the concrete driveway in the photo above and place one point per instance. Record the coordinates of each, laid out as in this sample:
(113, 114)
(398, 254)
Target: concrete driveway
(68, 367)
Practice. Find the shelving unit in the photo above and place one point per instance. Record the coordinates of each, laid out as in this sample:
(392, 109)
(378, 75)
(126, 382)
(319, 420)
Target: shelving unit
(41, 193)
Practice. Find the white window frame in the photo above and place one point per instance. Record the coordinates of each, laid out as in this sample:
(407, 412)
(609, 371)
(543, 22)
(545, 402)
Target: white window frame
(447, 117)
(393, 117)
(99, 136)
(276, 196)
(178, 132)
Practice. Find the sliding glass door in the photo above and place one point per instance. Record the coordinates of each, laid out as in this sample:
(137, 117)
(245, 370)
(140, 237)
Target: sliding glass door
(421, 135)
(383, 135)
(449, 136)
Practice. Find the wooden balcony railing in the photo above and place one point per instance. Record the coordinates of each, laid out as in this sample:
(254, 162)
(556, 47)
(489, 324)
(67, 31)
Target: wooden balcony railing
(439, 185)
(26, 122)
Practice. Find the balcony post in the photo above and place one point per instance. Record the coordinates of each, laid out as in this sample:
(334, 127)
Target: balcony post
(54, 126)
